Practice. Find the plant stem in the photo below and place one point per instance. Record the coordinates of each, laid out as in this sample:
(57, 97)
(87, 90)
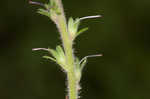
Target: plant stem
(72, 86)
(67, 44)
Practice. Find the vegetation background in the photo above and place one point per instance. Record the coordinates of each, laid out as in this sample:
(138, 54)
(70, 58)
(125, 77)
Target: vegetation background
(123, 38)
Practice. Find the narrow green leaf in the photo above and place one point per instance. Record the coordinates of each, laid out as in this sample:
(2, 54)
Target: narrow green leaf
(70, 23)
(76, 23)
(43, 12)
(52, 2)
(59, 49)
(54, 7)
(47, 6)
(81, 31)
(48, 57)
(78, 72)
(53, 53)
(77, 63)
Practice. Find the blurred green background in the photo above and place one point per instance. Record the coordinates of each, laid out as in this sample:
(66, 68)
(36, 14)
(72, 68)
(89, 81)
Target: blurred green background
(123, 38)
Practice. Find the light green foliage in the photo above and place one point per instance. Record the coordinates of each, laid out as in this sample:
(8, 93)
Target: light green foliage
(50, 10)
(43, 12)
(58, 56)
(65, 57)
(50, 58)
(54, 7)
(81, 31)
(79, 68)
(73, 26)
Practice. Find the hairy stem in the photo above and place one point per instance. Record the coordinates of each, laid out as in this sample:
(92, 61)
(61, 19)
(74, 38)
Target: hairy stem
(67, 44)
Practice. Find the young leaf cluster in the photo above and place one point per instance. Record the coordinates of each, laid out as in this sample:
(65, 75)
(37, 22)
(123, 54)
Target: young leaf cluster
(59, 55)
(73, 26)
(50, 10)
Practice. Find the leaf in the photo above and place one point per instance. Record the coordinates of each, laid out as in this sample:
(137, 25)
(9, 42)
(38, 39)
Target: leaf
(53, 53)
(61, 56)
(48, 57)
(70, 23)
(43, 12)
(76, 23)
(52, 3)
(59, 50)
(47, 6)
(77, 63)
(73, 27)
(81, 31)
(78, 72)
(54, 7)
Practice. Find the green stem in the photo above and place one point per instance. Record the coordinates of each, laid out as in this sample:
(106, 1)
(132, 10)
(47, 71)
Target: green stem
(67, 44)
(72, 86)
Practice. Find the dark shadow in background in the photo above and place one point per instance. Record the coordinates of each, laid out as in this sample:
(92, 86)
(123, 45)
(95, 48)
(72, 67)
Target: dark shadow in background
(124, 39)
